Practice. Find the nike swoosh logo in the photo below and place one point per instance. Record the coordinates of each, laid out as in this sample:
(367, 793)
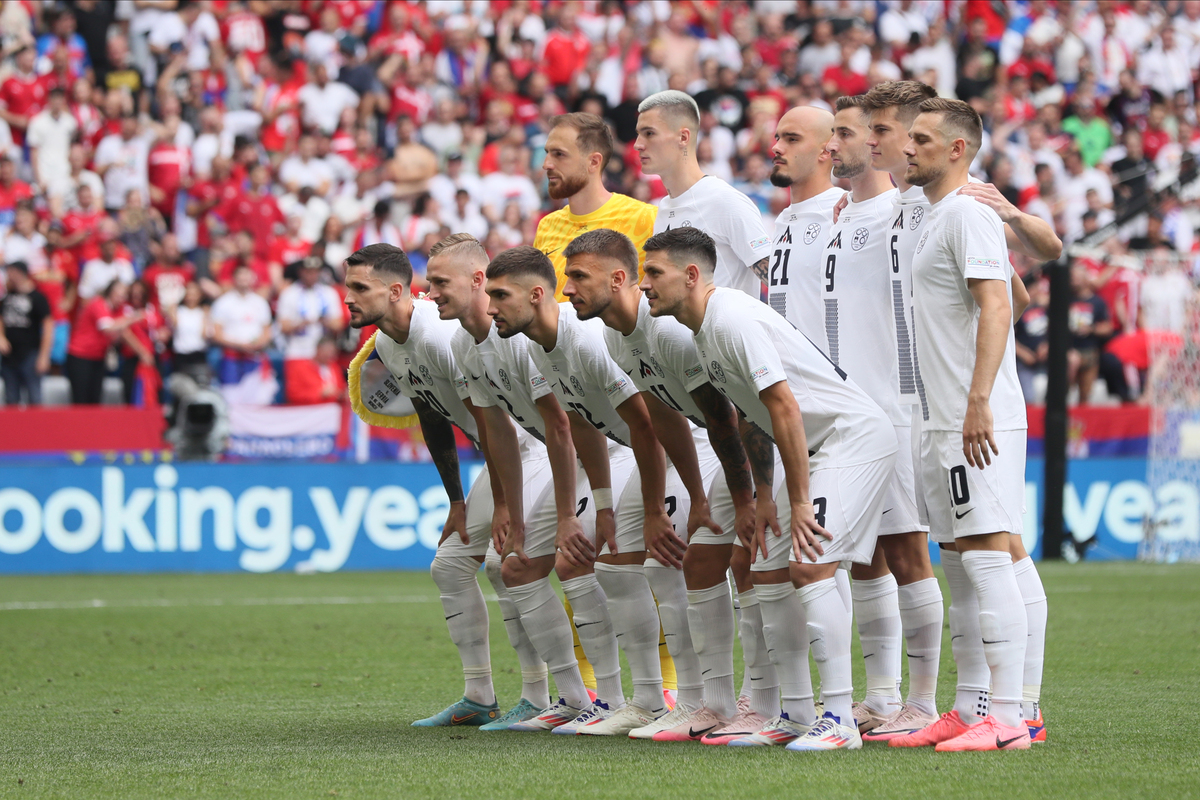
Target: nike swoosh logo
(459, 614)
(957, 636)
(998, 641)
(888, 511)
(474, 377)
(455, 719)
(585, 624)
(963, 514)
(1003, 743)
(868, 655)
(696, 734)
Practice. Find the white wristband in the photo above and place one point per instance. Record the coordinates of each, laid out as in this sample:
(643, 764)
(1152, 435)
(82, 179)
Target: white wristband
(603, 498)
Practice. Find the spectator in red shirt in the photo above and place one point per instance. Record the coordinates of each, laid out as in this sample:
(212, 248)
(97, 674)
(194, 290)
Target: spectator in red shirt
(168, 167)
(256, 211)
(22, 95)
(97, 327)
(80, 224)
(321, 380)
(145, 335)
(168, 277)
(207, 201)
(290, 247)
(566, 49)
(59, 283)
(840, 79)
(244, 255)
(12, 191)
(1155, 136)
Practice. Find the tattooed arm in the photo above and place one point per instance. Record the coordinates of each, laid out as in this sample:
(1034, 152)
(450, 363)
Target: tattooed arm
(760, 451)
(439, 438)
(759, 268)
(721, 420)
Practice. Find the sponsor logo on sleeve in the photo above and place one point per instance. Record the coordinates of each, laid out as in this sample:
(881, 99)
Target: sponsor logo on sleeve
(616, 386)
(762, 241)
(692, 372)
(460, 384)
(760, 372)
(985, 263)
(537, 382)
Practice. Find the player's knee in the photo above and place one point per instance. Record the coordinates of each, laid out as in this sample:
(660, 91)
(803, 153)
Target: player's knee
(816, 643)
(452, 574)
(566, 570)
(494, 569)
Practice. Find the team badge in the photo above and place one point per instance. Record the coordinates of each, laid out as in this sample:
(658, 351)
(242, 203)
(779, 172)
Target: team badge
(657, 369)
(860, 238)
(505, 381)
(921, 243)
(812, 232)
(578, 386)
(918, 214)
(717, 372)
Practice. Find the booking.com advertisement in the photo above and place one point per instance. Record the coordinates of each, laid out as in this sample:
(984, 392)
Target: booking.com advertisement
(325, 517)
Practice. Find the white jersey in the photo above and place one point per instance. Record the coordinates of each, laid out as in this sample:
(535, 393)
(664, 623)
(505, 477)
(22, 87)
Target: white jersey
(499, 372)
(661, 357)
(862, 314)
(731, 219)
(746, 347)
(964, 239)
(910, 212)
(425, 368)
(858, 235)
(794, 273)
(582, 375)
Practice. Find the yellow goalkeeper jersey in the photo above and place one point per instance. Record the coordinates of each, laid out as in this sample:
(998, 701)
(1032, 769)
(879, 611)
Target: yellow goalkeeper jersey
(620, 213)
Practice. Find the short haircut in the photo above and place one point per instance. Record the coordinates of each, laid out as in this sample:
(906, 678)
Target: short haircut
(959, 120)
(459, 244)
(19, 266)
(383, 258)
(522, 261)
(858, 101)
(609, 244)
(904, 96)
(675, 104)
(591, 134)
(685, 245)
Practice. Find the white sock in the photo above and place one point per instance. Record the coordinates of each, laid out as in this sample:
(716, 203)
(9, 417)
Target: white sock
(670, 591)
(543, 616)
(1003, 626)
(966, 643)
(635, 621)
(710, 618)
(877, 614)
(535, 685)
(829, 625)
(594, 626)
(921, 614)
(786, 634)
(844, 591)
(1036, 610)
(764, 679)
(467, 618)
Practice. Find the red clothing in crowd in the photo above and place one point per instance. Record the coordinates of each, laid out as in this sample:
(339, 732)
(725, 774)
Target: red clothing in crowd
(62, 270)
(11, 195)
(167, 165)
(145, 329)
(257, 265)
(281, 100)
(24, 95)
(167, 282)
(307, 382)
(76, 221)
(256, 213)
(847, 81)
(564, 55)
(285, 250)
(243, 32)
(88, 340)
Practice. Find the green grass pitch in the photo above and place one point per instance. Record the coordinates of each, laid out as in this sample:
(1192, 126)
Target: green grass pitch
(304, 686)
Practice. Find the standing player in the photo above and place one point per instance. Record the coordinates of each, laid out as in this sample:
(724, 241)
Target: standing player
(866, 332)
(801, 166)
(893, 106)
(659, 355)
(500, 373)
(570, 353)
(668, 130)
(837, 449)
(578, 147)
(414, 344)
(973, 444)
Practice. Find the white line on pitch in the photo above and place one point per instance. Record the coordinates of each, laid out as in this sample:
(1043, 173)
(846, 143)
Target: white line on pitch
(54, 605)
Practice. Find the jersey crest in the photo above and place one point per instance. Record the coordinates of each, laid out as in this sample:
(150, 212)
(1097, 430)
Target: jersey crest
(504, 379)
(811, 233)
(717, 372)
(917, 215)
(860, 238)
(578, 386)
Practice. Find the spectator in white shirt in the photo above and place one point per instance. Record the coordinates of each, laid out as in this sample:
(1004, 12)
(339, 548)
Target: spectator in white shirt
(121, 161)
(509, 184)
(107, 267)
(898, 24)
(321, 45)
(24, 243)
(63, 193)
(1166, 68)
(306, 169)
(49, 139)
(464, 216)
(322, 100)
(241, 325)
(446, 184)
(307, 311)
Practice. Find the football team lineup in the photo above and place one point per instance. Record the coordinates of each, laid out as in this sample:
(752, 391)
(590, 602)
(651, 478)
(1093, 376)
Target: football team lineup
(698, 467)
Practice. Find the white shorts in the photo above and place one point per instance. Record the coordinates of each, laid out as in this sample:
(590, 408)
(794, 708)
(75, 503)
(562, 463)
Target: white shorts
(849, 503)
(720, 504)
(630, 511)
(479, 521)
(778, 549)
(541, 517)
(914, 449)
(900, 514)
(965, 500)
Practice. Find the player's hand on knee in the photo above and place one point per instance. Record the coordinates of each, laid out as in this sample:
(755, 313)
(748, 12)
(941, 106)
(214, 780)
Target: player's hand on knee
(514, 543)
(765, 518)
(606, 530)
(743, 525)
(662, 543)
(456, 521)
(979, 442)
(806, 530)
(700, 516)
(501, 526)
(573, 543)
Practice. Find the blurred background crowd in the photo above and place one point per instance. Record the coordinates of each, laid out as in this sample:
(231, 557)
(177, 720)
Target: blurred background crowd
(180, 180)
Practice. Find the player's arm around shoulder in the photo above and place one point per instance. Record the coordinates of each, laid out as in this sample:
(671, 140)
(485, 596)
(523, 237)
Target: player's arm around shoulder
(1027, 234)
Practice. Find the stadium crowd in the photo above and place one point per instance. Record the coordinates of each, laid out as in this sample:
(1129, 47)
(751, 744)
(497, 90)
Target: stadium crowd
(181, 180)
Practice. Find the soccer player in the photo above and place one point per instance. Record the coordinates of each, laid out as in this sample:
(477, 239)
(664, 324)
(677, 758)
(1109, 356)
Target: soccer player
(893, 106)
(414, 344)
(866, 334)
(659, 355)
(503, 384)
(602, 402)
(973, 443)
(668, 129)
(801, 165)
(578, 147)
(837, 448)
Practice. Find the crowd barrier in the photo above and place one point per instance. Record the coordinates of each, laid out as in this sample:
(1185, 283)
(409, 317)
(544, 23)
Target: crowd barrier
(265, 517)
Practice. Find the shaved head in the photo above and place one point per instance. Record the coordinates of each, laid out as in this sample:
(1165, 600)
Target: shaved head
(799, 150)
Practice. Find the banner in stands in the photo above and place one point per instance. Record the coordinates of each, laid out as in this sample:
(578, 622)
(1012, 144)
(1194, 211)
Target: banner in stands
(324, 517)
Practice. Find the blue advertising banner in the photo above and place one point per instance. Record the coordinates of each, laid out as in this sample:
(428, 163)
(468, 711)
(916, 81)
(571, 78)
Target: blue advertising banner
(325, 517)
